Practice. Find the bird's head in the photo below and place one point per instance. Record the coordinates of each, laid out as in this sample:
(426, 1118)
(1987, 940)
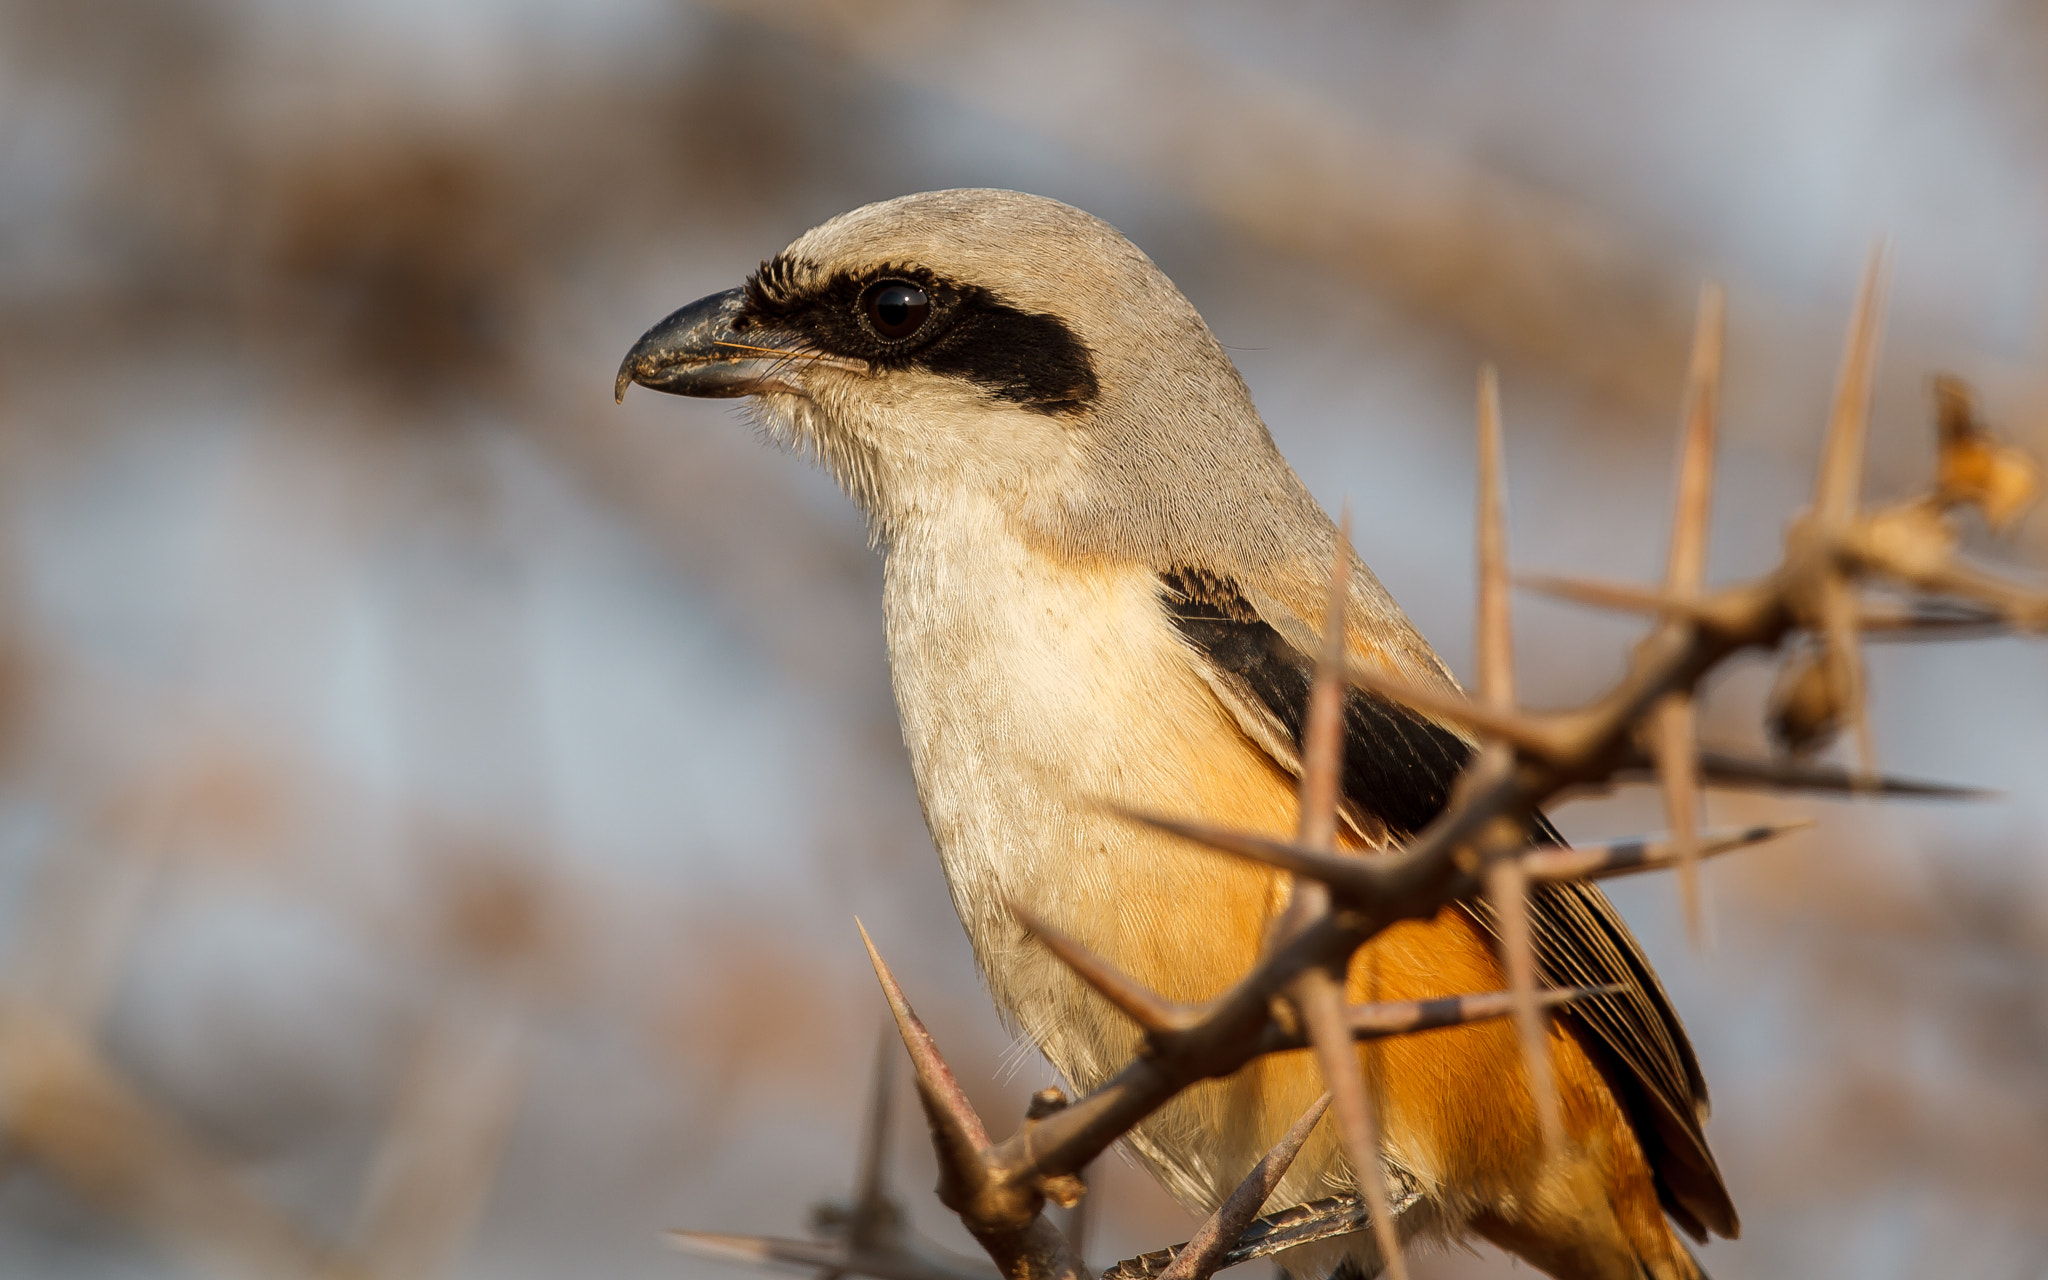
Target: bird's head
(983, 345)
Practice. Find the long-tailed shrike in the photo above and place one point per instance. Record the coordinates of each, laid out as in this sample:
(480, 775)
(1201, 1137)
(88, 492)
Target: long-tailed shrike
(1099, 586)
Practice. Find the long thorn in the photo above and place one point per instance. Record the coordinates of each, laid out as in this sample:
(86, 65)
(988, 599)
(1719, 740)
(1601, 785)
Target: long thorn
(1841, 469)
(1525, 732)
(2015, 605)
(1507, 885)
(1933, 622)
(1837, 490)
(1322, 746)
(1929, 623)
(1686, 563)
(957, 1131)
(1673, 722)
(1147, 1008)
(1321, 1003)
(1349, 876)
(1717, 770)
(1317, 995)
(1620, 596)
(1204, 1252)
(1674, 742)
(931, 1068)
(1406, 1017)
(1496, 656)
(1625, 857)
(1358, 879)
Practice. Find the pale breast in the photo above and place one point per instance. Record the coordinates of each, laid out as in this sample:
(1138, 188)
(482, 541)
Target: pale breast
(1035, 694)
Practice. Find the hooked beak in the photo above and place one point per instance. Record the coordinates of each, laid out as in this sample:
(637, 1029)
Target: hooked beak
(696, 352)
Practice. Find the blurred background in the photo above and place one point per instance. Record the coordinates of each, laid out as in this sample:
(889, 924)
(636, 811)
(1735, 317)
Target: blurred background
(434, 801)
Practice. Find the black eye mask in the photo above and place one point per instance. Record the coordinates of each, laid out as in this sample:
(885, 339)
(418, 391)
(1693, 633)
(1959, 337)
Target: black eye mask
(899, 317)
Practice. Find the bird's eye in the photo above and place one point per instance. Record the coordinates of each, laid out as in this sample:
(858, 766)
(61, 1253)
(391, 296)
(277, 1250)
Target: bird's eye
(895, 308)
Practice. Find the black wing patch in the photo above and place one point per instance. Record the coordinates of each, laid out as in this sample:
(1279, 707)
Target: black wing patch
(1397, 766)
(1397, 777)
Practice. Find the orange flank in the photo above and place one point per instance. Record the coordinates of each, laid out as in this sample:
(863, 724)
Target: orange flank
(1454, 1104)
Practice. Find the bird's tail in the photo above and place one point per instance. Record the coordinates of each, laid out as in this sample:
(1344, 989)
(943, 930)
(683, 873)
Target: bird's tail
(1692, 1271)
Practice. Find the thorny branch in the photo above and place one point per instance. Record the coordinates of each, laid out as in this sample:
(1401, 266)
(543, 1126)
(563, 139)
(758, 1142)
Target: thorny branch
(1811, 603)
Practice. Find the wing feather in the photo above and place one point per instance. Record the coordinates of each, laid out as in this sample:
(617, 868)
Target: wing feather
(1398, 771)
